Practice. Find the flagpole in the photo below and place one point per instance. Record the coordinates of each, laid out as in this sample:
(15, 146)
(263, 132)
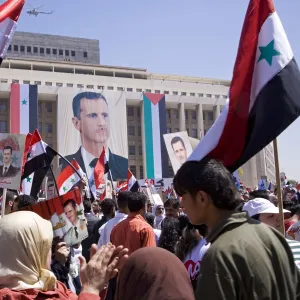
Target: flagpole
(111, 178)
(54, 180)
(278, 184)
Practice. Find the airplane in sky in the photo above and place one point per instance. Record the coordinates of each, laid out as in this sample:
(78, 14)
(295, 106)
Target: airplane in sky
(35, 12)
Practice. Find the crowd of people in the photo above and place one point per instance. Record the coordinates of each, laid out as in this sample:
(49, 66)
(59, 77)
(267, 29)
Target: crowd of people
(211, 242)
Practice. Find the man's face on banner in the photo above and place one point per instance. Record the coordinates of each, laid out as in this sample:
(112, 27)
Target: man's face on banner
(7, 156)
(71, 214)
(180, 152)
(94, 121)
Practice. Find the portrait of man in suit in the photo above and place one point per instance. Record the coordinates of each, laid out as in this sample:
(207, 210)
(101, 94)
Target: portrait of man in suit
(179, 149)
(7, 169)
(91, 119)
(78, 231)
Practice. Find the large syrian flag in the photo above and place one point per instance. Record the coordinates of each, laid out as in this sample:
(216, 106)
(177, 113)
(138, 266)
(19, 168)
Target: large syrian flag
(264, 93)
(69, 177)
(39, 159)
(132, 183)
(10, 12)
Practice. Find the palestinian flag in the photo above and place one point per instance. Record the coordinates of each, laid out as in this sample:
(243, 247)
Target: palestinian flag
(69, 177)
(23, 108)
(264, 93)
(10, 12)
(132, 183)
(155, 126)
(39, 159)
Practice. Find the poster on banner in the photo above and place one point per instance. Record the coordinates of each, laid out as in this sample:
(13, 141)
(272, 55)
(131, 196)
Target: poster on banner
(179, 148)
(165, 184)
(11, 160)
(89, 121)
(66, 213)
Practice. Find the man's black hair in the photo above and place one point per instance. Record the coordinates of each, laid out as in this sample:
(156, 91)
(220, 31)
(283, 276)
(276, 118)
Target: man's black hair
(136, 201)
(87, 206)
(177, 139)
(8, 148)
(295, 210)
(150, 219)
(210, 176)
(84, 95)
(123, 199)
(172, 202)
(287, 204)
(10, 196)
(73, 202)
(259, 194)
(107, 206)
(24, 201)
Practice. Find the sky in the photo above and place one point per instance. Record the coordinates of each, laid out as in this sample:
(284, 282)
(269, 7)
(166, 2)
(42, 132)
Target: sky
(187, 37)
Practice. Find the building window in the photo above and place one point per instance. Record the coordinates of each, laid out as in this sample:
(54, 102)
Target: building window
(72, 53)
(67, 53)
(192, 94)
(140, 150)
(133, 170)
(139, 90)
(61, 52)
(157, 91)
(183, 93)
(42, 50)
(186, 114)
(194, 133)
(169, 130)
(90, 86)
(131, 130)
(28, 49)
(47, 83)
(70, 84)
(138, 112)
(100, 87)
(174, 114)
(40, 108)
(175, 93)
(40, 127)
(166, 92)
(119, 88)
(26, 81)
(48, 51)
(49, 107)
(148, 91)
(48, 128)
(38, 82)
(22, 48)
(9, 48)
(35, 50)
(54, 51)
(16, 48)
(208, 95)
(110, 88)
(79, 85)
(131, 150)
(130, 111)
(3, 106)
(85, 54)
(139, 131)
(194, 116)
(210, 115)
(141, 172)
(168, 113)
(200, 95)
(3, 126)
(59, 84)
(129, 89)
(15, 81)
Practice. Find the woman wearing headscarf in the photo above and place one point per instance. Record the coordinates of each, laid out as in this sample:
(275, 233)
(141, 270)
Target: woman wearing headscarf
(153, 274)
(25, 257)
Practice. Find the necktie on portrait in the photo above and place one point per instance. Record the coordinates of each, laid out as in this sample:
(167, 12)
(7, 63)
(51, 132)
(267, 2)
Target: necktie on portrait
(93, 162)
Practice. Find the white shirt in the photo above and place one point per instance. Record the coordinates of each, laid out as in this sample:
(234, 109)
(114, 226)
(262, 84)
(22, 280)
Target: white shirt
(106, 229)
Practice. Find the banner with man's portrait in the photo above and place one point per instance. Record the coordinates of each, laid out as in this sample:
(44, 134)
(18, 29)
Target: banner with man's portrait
(179, 148)
(89, 121)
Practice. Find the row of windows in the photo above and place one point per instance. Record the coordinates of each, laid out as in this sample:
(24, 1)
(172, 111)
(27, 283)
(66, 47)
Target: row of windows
(42, 50)
(111, 88)
(133, 170)
(132, 150)
(48, 127)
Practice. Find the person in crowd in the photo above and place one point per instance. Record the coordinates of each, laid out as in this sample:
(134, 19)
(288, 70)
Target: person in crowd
(106, 229)
(91, 222)
(23, 201)
(291, 195)
(26, 257)
(150, 220)
(159, 214)
(10, 198)
(108, 207)
(294, 217)
(153, 274)
(170, 234)
(266, 212)
(150, 206)
(246, 259)
(259, 194)
(191, 248)
(96, 206)
(134, 232)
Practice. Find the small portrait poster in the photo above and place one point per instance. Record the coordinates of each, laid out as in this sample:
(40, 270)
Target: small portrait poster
(11, 160)
(179, 148)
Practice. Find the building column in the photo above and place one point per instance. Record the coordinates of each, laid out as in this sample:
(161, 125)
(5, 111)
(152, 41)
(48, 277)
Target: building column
(181, 110)
(200, 123)
(253, 171)
(216, 111)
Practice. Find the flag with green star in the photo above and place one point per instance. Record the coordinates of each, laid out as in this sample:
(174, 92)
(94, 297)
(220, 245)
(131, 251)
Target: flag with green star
(264, 97)
(68, 177)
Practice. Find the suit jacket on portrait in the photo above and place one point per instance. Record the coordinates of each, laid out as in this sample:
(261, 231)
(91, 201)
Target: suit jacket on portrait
(118, 165)
(12, 171)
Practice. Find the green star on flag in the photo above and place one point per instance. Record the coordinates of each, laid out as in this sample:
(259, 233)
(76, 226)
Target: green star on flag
(24, 102)
(28, 179)
(64, 189)
(268, 52)
(92, 182)
(72, 180)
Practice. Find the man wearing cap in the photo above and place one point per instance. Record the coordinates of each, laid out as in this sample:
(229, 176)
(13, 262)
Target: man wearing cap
(266, 212)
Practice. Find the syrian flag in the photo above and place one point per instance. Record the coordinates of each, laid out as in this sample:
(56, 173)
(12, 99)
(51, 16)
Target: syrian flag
(264, 93)
(39, 159)
(69, 177)
(10, 12)
(132, 183)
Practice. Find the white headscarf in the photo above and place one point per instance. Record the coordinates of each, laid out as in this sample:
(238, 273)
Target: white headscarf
(25, 243)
